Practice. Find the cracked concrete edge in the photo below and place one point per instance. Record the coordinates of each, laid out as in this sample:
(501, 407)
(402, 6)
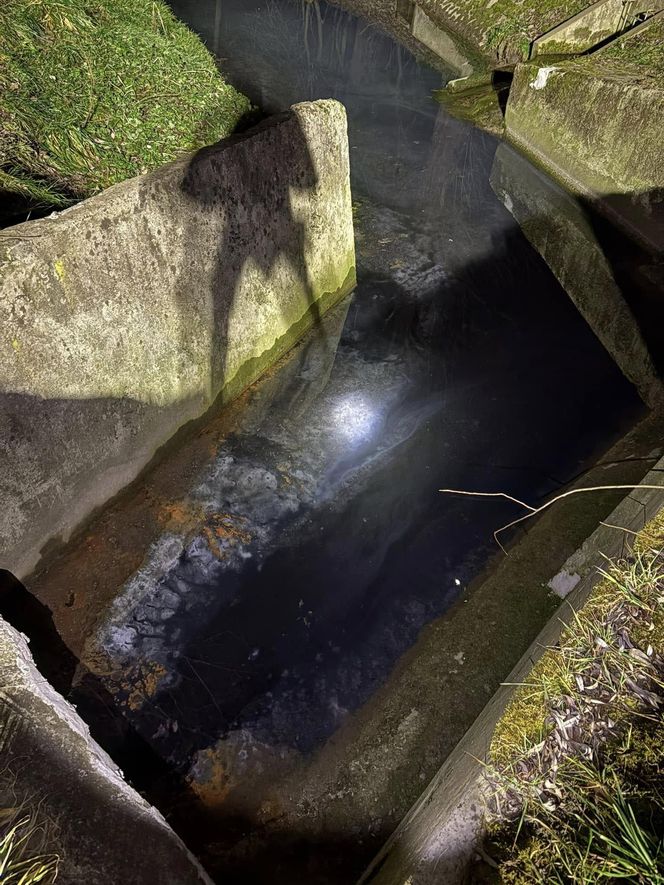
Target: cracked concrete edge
(441, 834)
(106, 831)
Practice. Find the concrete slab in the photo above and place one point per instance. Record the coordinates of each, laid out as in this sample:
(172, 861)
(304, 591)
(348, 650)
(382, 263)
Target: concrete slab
(126, 316)
(105, 832)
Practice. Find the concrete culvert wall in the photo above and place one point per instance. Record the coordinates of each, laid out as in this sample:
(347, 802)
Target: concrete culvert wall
(572, 117)
(126, 316)
(102, 830)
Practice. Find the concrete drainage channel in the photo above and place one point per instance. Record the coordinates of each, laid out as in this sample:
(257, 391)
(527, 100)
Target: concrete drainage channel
(135, 358)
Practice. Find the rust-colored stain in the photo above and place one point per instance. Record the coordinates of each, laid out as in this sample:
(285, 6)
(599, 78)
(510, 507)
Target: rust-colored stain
(142, 682)
(215, 784)
(79, 581)
(180, 516)
(223, 527)
(220, 530)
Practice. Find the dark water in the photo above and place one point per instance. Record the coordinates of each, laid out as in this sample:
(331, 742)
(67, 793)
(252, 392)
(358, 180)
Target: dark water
(457, 362)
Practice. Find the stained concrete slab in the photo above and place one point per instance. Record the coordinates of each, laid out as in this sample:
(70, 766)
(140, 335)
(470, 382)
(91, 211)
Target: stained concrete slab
(103, 830)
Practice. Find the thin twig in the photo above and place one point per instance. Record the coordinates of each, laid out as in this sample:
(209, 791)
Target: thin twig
(567, 495)
(533, 511)
(621, 528)
(488, 495)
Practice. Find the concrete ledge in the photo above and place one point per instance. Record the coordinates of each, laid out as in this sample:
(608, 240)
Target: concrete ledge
(438, 837)
(105, 832)
(598, 134)
(591, 26)
(126, 316)
(440, 42)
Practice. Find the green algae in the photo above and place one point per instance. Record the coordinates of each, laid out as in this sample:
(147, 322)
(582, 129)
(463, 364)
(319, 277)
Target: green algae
(320, 302)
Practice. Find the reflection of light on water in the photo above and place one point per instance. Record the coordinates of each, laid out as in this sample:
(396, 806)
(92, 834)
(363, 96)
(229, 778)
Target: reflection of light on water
(355, 418)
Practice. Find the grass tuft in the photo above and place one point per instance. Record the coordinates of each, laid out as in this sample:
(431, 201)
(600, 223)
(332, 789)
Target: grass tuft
(578, 757)
(22, 857)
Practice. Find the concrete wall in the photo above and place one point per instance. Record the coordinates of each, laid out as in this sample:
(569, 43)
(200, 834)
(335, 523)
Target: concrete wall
(102, 830)
(594, 124)
(599, 134)
(618, 300)
(126, 316)
(427, 32)
(585, 30)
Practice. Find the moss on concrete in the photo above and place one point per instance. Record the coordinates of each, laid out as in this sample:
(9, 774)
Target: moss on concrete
(135, 309)
(637, 57)
(590, 124)
(96, 91)
(326, 296)
(479, 103)
(505, 28)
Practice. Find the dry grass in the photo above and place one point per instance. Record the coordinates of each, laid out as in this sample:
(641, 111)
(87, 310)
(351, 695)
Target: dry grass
(577, 757)
(25, 858)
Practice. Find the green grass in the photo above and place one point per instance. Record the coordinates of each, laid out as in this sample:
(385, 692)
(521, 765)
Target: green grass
(95, 91)
(578, 756)
(607, 828)
(508, 27)
(638, 57)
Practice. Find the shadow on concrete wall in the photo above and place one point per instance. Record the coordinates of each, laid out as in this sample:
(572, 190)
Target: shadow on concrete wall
(636, 261)
(608, 253)
(241, 226)
(258, 227)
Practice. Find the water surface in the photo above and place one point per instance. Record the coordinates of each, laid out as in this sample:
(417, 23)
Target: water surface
(323, 546)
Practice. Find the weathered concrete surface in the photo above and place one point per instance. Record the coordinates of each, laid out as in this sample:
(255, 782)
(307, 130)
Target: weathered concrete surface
(439, 42)
(591, 26)
(595, 129)
(619, 301)
(440, 835)
(594, 124)
(127, 315)
(424, 30)
(104, 831)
